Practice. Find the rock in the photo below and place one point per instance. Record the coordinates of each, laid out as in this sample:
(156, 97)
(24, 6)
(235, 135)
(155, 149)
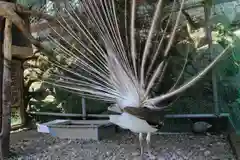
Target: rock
(49, 99)
(215, 158)
(135, 153)
(222, 136)
(35, 86)
(202, 149)
(151, 157)
(201, 127)
(207, 153)
(210, 145)
(160, 158)
(108, 153)
(220, 143)
(208, 134)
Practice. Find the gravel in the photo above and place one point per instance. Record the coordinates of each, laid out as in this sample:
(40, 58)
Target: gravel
(30, 145)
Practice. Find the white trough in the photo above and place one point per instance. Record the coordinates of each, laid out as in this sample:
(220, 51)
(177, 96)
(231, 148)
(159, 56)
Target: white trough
(78, 129)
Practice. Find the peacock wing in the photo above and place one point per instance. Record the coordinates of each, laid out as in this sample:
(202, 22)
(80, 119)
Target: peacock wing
(153, 117)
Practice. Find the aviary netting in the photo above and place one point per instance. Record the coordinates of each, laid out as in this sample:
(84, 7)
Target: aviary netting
(105, 60)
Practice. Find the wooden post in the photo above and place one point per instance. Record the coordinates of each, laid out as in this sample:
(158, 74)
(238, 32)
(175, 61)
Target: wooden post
(2, 26)
(6, 91)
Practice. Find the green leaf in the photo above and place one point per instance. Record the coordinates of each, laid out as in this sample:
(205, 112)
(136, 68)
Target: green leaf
(238, 100)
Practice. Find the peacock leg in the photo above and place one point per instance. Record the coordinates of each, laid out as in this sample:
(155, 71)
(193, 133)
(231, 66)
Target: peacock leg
(148, 139)
(141, 143)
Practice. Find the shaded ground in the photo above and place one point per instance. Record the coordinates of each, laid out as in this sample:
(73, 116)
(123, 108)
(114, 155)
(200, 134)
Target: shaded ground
(30, 145)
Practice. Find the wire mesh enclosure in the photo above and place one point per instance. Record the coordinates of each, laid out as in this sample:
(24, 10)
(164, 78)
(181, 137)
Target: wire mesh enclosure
(228, 73)
(219, 91)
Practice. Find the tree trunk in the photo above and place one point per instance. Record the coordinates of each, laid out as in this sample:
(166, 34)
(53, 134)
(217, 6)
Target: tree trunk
(6, 91)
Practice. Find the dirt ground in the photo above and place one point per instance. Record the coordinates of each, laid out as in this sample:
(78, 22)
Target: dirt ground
(30, 145)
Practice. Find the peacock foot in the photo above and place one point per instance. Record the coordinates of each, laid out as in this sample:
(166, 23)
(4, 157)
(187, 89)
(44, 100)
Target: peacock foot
(150, 156)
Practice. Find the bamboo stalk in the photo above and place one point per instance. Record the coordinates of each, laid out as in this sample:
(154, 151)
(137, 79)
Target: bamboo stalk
(6, 91)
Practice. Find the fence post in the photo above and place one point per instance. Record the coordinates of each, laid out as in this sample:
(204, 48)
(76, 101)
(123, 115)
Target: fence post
(207, 10)
(84, 112)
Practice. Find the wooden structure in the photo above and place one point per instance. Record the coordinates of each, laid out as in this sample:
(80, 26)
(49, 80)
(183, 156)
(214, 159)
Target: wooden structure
(21, 48)
(17, 91)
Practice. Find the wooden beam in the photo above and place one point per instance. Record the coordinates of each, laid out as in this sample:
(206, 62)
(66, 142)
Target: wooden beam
(21, 52)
